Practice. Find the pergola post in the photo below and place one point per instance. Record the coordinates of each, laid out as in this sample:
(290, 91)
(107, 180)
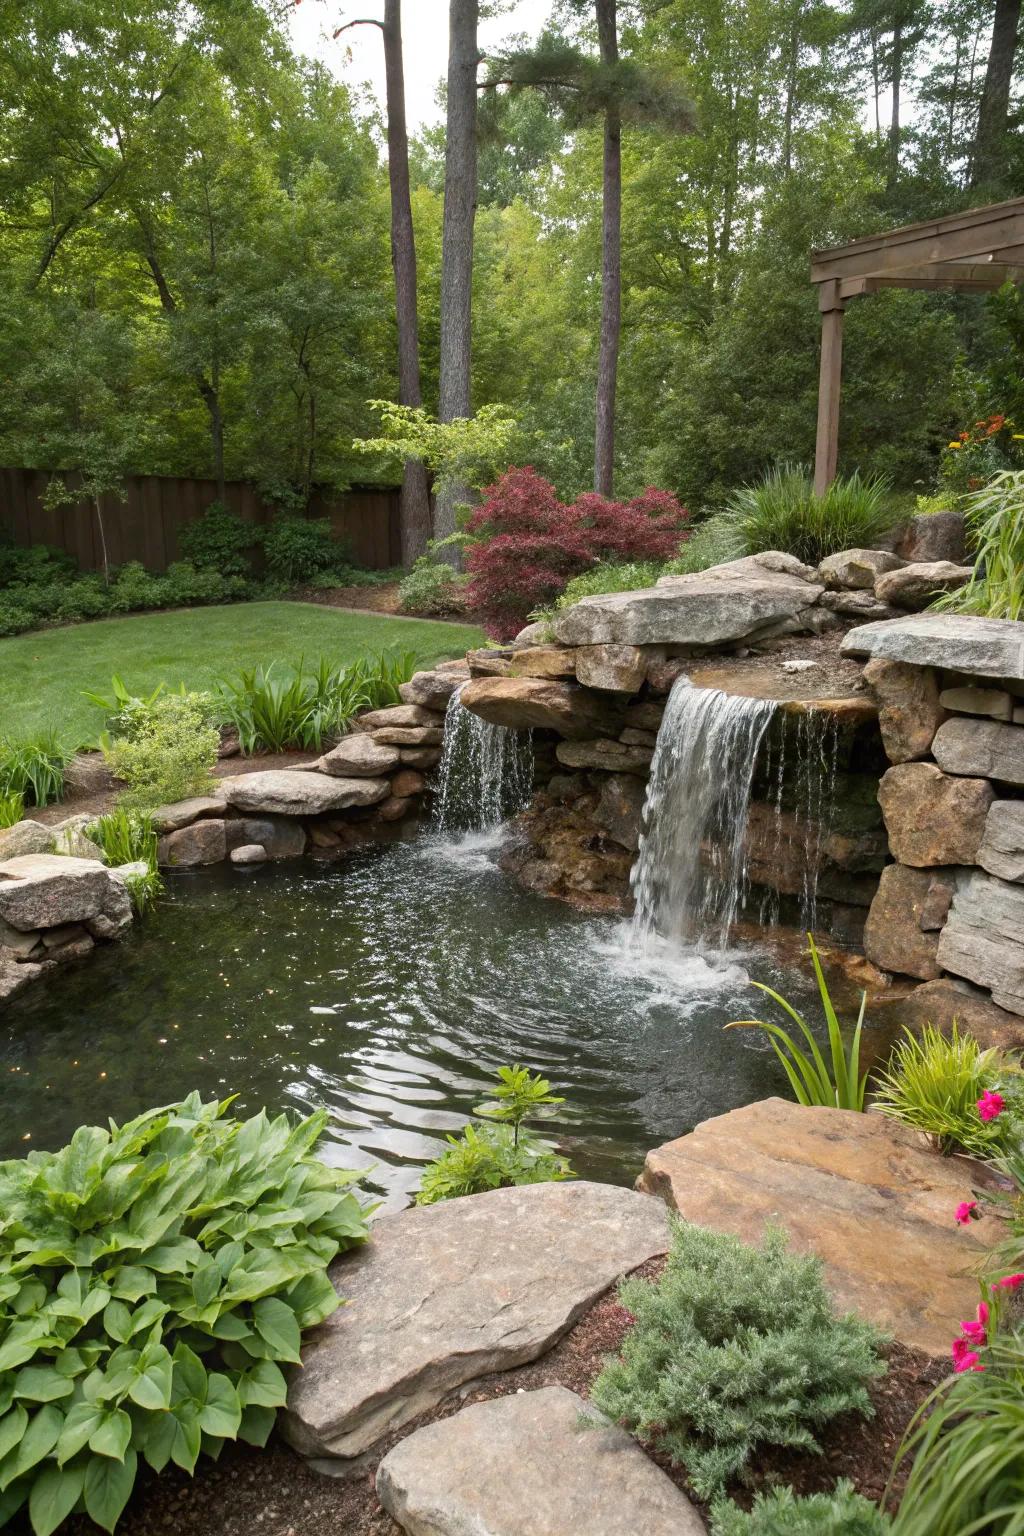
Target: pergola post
(826, 450)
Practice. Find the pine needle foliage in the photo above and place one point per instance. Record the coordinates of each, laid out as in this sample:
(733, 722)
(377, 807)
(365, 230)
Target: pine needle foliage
(843, 1512)
(734, 1349)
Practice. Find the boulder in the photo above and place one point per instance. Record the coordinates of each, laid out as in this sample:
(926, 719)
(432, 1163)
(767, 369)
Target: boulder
(490, 661)
(996, 703)
(45, 890)
(983, 939)
(524, 703)
(634, 738)
(646, 716)
(857, 569)
(986, 748)
(1002, 846)
(894, 939)
(419, 757)
(532, 634)
(287, 792)
(204, 842)
(942, 1002)
(14, 977)
(171, 818)
(933, 817)
(664, 673)
(608, 756)
(23, 838)
(917, 585)
(869, 1197)
(280, 837)
(401, 715)
(934, 536)
(957, 642)
(20, 945)
(359, 756)
(770, 565)
(443, 1294)
(541, 1463)
(858, 605)
(715, 607)
(71, 837)
(432, 690)
(407, 782)
(544, 661)
(909, 709)
(410, 735)
(249, 853)
(616, 668)
(394, 808)
(620, 807)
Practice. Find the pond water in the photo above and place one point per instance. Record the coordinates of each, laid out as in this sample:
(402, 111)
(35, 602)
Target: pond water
(386, 988)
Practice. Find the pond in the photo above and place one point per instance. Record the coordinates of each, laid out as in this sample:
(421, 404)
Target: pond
(386, 988)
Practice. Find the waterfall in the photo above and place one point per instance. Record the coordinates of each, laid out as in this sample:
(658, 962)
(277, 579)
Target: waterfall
(690, 874)
(485, 774)
(800, 788)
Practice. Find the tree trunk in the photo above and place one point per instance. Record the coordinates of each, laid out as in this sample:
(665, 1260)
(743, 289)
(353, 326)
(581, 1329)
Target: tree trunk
(415, 503)
(892, 175)
(988, 161)
(97, 505)
(611, 264)
(457, 242)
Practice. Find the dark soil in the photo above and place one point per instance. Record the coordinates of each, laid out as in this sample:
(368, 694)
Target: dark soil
(375, 597)
(761, 672)
(273, 1493)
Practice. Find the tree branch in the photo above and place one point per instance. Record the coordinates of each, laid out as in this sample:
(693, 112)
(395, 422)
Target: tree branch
(361, 21)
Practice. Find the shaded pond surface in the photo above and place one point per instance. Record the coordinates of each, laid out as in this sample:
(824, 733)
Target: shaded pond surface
(386, 989)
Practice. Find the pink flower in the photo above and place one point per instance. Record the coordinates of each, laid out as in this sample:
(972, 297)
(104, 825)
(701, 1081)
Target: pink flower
(974, 1333)
(1009, 1283)
(991, 1105)
(964, 1359)
(966, 1212)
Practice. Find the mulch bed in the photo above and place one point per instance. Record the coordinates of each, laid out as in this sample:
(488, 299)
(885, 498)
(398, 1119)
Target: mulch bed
(376, 597)
(273, 1493)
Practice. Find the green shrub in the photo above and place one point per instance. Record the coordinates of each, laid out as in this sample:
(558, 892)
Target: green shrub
(184, 585)
(129, 837)
(782, 512)
(218, 541)
(151, 1278)
(14, 619)
(967, 1441)
(780, 1513)
(31, 567)
(431, 588)
(272, 713)
(995, 523)
(300, 548)
(734, 1349)
(134, 588)
(934, 1084)
(86, 598)
(169, 753)
(33, 767)
(503, 1153)
(610, 576)
(12, 809)
(838, 1086)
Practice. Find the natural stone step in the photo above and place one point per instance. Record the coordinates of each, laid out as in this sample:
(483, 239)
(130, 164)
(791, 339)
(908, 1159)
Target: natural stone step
(289, 792)
(868, 1196)
(527, 1465)
(445, 1293)
(525, 703)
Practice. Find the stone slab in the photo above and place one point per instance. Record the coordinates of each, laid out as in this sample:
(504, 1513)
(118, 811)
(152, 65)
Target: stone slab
(985, 748)
(400, 715)
(287, 792)
(968, 700)
(446, 1293)
(526, 703)
(609, 756)
(868, 1196)
(1002, 847)
(359, 756)
(44, 890)
(526, 1465)
(171, 818)
(983, 939)
(431, 689)
(933, 818)
(544, 661)
(956, 641)
(918, 584)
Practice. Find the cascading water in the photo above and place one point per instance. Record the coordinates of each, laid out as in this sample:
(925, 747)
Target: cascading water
(800, 781)
(485, 774)
(690, 874)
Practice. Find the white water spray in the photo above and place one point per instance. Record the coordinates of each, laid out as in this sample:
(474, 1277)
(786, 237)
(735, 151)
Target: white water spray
(485, 774)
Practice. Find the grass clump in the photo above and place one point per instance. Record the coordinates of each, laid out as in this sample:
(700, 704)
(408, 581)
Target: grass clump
(33, 768)
(734, 1349)
(783, 512)
(934, 1084)
(843, 1512)
(995, 523)
(168, 752)
(129, 837)
(12, 809)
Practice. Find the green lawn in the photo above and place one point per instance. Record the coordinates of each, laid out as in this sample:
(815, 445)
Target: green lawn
(42, 675)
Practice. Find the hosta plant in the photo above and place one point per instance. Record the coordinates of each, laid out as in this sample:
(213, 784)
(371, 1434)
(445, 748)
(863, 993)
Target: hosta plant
(153, 1279)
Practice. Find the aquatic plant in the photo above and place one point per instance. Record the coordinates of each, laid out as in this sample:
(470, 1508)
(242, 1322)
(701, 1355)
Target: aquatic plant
(942, 1085)
(152, 1276)
(129, 837)
(733, 1349)
(501, 1154)
(841, 1086)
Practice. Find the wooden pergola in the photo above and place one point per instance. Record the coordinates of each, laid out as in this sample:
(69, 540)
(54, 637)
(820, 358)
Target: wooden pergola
(973, 252)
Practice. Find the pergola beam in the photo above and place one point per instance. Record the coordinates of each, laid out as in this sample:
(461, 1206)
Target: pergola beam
(952, 245)
(963, 277)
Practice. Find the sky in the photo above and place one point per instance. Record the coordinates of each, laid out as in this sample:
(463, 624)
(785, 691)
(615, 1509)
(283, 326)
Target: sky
(358, 56)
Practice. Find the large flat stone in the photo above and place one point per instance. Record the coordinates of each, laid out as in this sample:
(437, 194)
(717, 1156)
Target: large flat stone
(917, 585)
(46, 890)
(400, 715)
(727, 603)
(1002, 847)
(289, 792)
(544, 661)
(527, 703)
(985, 748)
(933, 817)
(525, 1465)
(445, 1293)
(954, 641)
(866, 1195)
(983, 939)
(171, 818)
(359, 756)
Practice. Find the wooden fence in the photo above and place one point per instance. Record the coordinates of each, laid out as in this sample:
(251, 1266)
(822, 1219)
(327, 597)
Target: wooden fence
(147, 525)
